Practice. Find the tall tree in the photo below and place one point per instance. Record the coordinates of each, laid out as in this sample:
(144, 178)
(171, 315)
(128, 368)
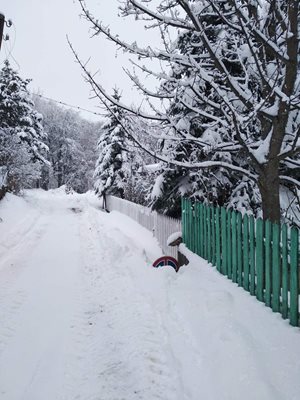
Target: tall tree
(111, 167)
(242, 86)
(23, 150)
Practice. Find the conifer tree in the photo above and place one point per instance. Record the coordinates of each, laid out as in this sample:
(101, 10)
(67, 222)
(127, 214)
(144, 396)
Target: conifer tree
(111, 170)
(17, 112)
(22, 136)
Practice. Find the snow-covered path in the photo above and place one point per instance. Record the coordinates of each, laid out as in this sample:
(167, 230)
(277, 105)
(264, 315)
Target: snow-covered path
(84, 317)
(73, 324)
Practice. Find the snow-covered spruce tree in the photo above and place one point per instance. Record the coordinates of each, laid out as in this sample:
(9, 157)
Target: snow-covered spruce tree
(246, 74)
(111, 170)
(214, 185)
(22, 137)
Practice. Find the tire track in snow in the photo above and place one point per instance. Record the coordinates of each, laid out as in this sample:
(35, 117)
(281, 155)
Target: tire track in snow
(17, 235)
(11, 265)
(118, 337)
(33, 356)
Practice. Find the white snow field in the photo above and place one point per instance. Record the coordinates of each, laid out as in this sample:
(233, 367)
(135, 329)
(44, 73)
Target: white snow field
(84, 316)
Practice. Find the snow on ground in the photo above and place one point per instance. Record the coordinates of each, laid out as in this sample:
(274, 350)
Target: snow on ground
(84, 316)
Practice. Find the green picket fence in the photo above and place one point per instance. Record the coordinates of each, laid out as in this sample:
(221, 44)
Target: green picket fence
(260, 256)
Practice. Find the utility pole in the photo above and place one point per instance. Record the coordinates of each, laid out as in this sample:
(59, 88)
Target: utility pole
(2, 21)
(8, 24)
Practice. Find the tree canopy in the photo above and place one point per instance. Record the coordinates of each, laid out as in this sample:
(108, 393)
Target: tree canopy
(231, 80)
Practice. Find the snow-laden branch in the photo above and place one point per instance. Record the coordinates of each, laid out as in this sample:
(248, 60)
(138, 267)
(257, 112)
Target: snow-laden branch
(260, 37)
(169, 161)
(136, 81)
(289, 179)
(131, 48)
(169, 21)
(90, 78)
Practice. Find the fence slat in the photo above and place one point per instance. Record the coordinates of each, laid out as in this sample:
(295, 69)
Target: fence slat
(205, 231)
(275, 269)
(209, 234)
(183, 219)
(239, 249)
(218, 240)
(189, 225)
(190, 233)
(246, 251)
(200, 234)
(294, 290)
(285, 273)
(268, 275)
(224, 241)
(193, 237)
(196, 221)
(259, 260)
(213, 229)
(252, 256)
(234, 247)
(229, 250)
(201, 230)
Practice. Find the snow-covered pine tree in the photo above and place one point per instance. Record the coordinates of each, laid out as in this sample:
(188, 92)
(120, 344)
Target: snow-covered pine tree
(23, 148)
(111, 169)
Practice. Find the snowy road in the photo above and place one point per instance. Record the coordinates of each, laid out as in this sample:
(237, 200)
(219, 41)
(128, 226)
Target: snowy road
(84, 317)
(73, 324)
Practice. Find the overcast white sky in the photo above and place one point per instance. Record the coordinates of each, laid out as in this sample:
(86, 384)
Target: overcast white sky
(38, 43)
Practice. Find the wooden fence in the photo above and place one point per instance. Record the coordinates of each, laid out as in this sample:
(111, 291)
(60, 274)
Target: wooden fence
(160, 225)
(258, 255)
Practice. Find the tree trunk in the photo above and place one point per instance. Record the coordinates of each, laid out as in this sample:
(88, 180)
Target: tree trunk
(268, 184)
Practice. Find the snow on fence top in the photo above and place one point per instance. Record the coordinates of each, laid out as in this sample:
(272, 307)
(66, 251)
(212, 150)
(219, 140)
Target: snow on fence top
(161, 226)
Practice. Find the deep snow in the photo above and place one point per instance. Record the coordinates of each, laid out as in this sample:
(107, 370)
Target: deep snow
(84, 316)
